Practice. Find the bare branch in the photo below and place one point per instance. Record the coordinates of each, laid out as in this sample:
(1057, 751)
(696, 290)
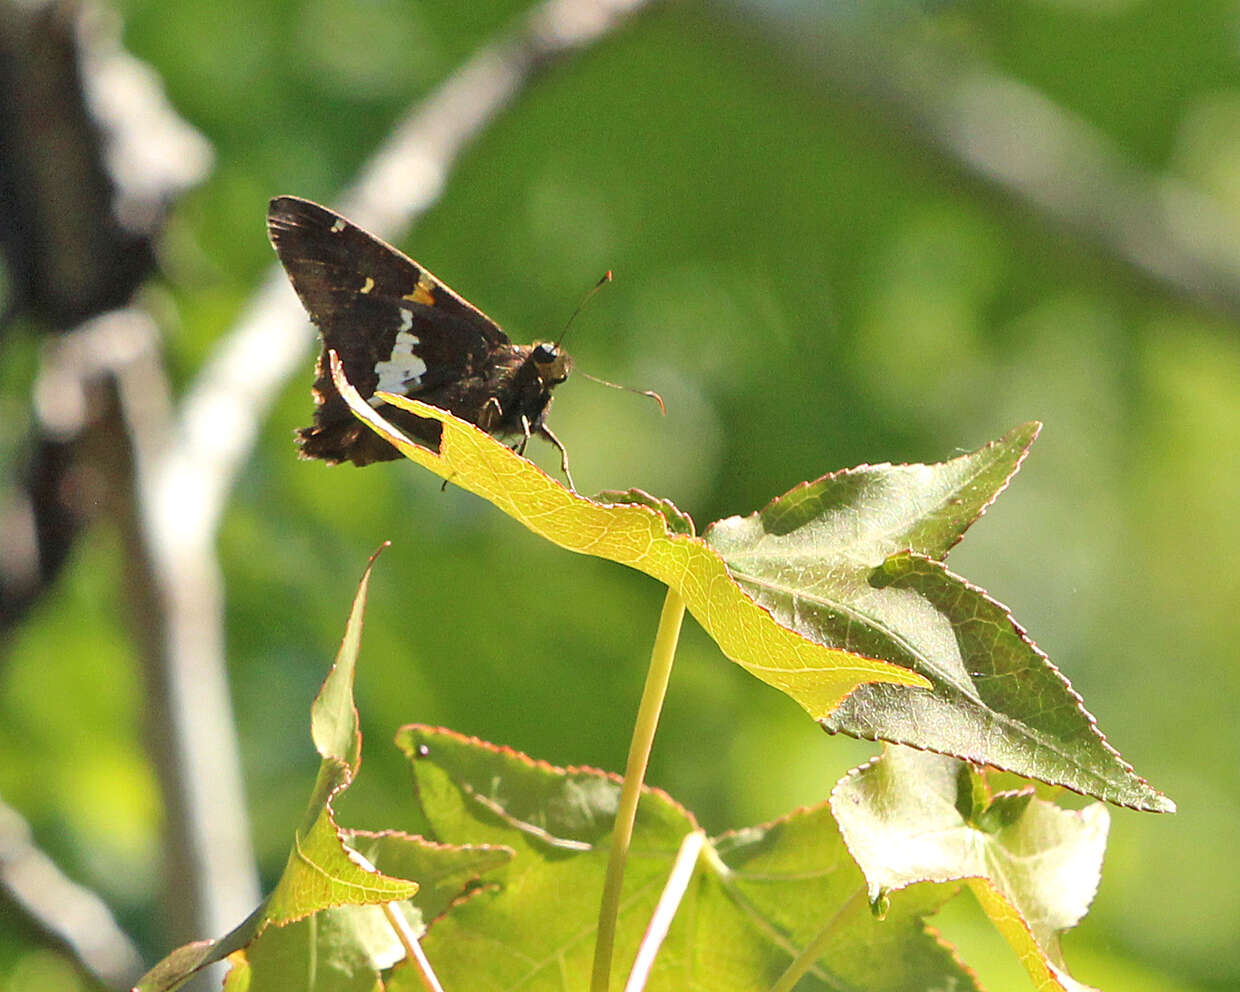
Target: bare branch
(185, 481)
(76, 917)
(1013, 136)
(103, 386)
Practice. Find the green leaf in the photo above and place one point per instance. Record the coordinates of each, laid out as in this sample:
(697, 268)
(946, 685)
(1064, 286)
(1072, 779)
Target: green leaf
(638, 535)
(322, 870)
(997, 699)
(850, 561)
(1034, 866)
(855, 518)
(756, 898)
(347, 948)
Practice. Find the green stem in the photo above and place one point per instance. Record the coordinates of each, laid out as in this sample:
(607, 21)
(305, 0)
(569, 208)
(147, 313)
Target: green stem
(635, 771)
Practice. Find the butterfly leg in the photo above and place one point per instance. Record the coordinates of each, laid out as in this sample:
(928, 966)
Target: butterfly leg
(525, 426)
(492, 413)
(545, 431)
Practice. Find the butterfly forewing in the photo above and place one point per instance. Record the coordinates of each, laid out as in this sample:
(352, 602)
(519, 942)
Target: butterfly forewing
(350, 281)
(393, 324)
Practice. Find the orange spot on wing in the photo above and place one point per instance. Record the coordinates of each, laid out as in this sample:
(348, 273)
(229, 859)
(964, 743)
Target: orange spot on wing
(421, 294)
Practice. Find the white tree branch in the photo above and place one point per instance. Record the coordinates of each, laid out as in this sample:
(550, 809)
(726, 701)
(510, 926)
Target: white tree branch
(185, 484)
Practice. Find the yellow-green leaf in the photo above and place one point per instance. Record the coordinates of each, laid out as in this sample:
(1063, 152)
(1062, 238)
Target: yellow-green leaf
(636, 535)
(323, 871)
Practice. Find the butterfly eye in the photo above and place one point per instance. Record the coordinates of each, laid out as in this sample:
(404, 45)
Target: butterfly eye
(544, 353)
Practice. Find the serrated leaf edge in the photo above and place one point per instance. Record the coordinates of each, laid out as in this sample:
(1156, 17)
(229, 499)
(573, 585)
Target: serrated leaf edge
(1034, 425)
(538, 764)
(1023, 635)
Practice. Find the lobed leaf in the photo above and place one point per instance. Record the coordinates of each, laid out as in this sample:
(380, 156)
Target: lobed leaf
(349, 948)
(851, 561)
(756, 899)
(910, 817)
(636, 534)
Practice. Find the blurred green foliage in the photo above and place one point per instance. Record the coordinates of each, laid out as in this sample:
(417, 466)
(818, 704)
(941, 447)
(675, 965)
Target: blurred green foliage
(809, 287)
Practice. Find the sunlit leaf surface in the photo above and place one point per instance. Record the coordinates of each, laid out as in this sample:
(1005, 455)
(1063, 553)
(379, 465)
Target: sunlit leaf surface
(757, 897)
(853, 561)
(638, 535)
(911, 817)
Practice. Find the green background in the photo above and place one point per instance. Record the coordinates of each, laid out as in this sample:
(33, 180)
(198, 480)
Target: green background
(811, 283)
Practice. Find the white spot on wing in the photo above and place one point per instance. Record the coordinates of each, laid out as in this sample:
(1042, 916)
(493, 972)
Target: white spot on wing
(403, 369)
(338, 226)
(406, 319)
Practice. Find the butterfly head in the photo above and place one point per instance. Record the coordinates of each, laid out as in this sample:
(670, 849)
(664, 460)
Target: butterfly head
(553, 365)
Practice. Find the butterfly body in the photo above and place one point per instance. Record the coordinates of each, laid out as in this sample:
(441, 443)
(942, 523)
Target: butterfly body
(398, 329)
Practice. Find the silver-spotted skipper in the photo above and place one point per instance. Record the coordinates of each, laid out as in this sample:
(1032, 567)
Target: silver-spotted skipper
(399, 329)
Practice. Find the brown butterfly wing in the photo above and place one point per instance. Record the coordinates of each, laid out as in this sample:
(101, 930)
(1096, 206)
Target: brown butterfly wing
(364, 295)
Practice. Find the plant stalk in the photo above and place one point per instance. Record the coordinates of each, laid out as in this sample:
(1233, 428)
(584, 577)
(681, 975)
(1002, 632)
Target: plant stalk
(669, 902)
(413, 949)
(653, 694)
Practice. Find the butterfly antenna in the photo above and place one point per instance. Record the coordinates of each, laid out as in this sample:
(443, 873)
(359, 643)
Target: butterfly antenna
(593, 378)
(628, 389)
(582, 305)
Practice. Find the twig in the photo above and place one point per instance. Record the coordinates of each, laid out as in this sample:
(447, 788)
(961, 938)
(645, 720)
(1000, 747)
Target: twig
(103, 385)
(413, 948)
(79, 920)
(212, 880)
(669, 902)
(1010, 135)
(186, 483)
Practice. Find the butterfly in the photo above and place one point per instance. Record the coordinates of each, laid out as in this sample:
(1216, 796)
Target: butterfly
(397, 328)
